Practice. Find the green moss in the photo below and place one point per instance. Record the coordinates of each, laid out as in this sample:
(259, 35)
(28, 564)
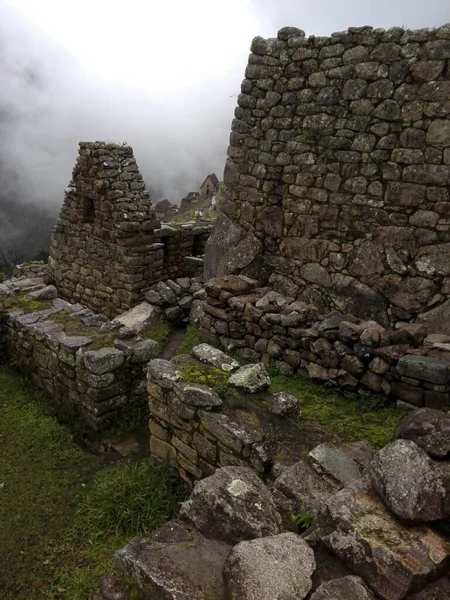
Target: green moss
(73, 326)
(210, 376)
(22, 301)
(158, 332)
(350, 419)
(190, 340)
(63, 514)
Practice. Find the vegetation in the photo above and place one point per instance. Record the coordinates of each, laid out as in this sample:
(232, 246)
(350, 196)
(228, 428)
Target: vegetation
(352, 419)
(159, 331)
(63, 512)
(303, 520)
(190, 340)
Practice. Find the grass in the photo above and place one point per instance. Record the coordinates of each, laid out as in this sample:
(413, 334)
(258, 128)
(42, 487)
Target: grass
(352, 419)
(64, 513)
(190, 340)
(158, 332)
(22, 301)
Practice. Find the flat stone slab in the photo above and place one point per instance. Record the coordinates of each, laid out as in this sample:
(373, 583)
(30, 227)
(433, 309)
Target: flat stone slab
(424, 368)
(126, 447)
(214, 357)
(392, 558)
(336, 461)
(139, 316)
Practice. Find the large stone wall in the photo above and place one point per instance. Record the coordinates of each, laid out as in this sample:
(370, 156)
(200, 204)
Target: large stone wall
(336, 183)
(107, 247)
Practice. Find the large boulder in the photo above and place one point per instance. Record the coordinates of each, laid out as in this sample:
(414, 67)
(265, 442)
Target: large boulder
(429, 429)
(177, 563)
(409, 483)
(278, 567)
(393, 559)
(344, 588)
(232, 505)
(251, 378)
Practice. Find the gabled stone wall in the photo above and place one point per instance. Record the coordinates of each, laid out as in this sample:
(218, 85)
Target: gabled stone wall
(336, 183)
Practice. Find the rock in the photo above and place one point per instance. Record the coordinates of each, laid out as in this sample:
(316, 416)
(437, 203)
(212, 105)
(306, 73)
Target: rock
(429, 429)
(421, 493)
(283, 404)
(251, 378)
(113, 589)
(102, 361)
(214, 357)
(177, 563)
(354, 297)
(166, 293)
(163, 372)
(201, 396)
(139, 316)
(270, 568)
(221, 243)
(4, 291)
(232, 505)
(345, 588)
(391, 558)
(46, 293)
(438, 590)
(425, 368)
(303, 489)
(153, 297)
(236, 285)
(340, 462)
(437, 319)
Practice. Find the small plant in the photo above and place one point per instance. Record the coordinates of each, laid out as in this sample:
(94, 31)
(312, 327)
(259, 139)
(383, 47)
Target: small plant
(303, 520)
(273, 369)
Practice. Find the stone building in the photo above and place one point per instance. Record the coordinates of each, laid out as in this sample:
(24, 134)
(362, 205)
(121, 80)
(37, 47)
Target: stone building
(186, 202)
(162, 208)
(108, 248)
(336, 187)
(210, 186)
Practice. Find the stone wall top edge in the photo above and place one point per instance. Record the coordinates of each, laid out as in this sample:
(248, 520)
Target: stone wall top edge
(105, 145)
(364, 35)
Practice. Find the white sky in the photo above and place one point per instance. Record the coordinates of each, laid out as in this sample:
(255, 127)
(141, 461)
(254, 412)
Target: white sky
(162, 75)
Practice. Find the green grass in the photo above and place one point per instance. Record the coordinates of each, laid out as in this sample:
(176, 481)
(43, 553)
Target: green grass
(190, 340)
(158, 332)
(63, 513)
(351, 419)
(22, 301)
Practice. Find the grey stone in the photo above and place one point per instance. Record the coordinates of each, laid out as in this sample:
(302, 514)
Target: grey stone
(46, 293)
(354, 297)
(251, 573)
(357, 527)
(421, 493)
(429, 429)
(139, 316)
(345, 588)
(425, 368)
(214, 357)
(232, 505)
(251, 378)
(283, 404)
(154, 298)
(201, 396)
(111, 588)
(437, 320)
(336, 462)
(163, 372)
(233, 433)
(103, 361)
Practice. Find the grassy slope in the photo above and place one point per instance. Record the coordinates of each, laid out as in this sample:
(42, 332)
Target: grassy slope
(62, 515)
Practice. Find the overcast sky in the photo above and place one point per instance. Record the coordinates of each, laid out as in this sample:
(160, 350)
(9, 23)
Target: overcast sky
(161, 75)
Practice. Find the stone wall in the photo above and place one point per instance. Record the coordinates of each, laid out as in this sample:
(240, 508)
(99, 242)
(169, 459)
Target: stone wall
(336, 183)
(75, 356)
(107, 247)
(405, 365)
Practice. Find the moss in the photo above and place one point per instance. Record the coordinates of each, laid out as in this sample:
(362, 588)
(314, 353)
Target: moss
(73, 326)
(190, 340)
(158, 332)
(210, 376)
(348, 418)
(22, 301)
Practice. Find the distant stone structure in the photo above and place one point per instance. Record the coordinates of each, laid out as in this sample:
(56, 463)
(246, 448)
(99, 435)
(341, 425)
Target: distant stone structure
(336, 184)
(210, 186)
(107, 247)
(163, 208)
(186, 202)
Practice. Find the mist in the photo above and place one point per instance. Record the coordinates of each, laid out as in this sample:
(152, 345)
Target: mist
(162, 78)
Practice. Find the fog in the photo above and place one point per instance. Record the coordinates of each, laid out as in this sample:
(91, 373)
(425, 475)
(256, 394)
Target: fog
(163, 77)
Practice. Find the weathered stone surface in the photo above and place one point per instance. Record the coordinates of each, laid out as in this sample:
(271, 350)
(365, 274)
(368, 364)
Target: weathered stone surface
(232, 505)
(251, 378)
(429, 429)
(425, 368)
(283, 404)
(269, 568)
(103, 361)
(354, 297)
(235, 435)
(111, 588)
(391, 558)
(139, 316)
(338, 462)
(437, 319)
(164, 372)
(345, 588)
(48, 292)
(214, 357)
(421, 493)
(201, 396)
(223, 241)
(177, 563)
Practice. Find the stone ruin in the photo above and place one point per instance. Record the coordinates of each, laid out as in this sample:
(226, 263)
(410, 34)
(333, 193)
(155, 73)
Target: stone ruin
(336, 184)
(107, 247)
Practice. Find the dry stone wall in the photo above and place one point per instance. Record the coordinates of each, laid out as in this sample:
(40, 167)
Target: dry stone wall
(406, 365)
(107, 247)
(336, 183)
